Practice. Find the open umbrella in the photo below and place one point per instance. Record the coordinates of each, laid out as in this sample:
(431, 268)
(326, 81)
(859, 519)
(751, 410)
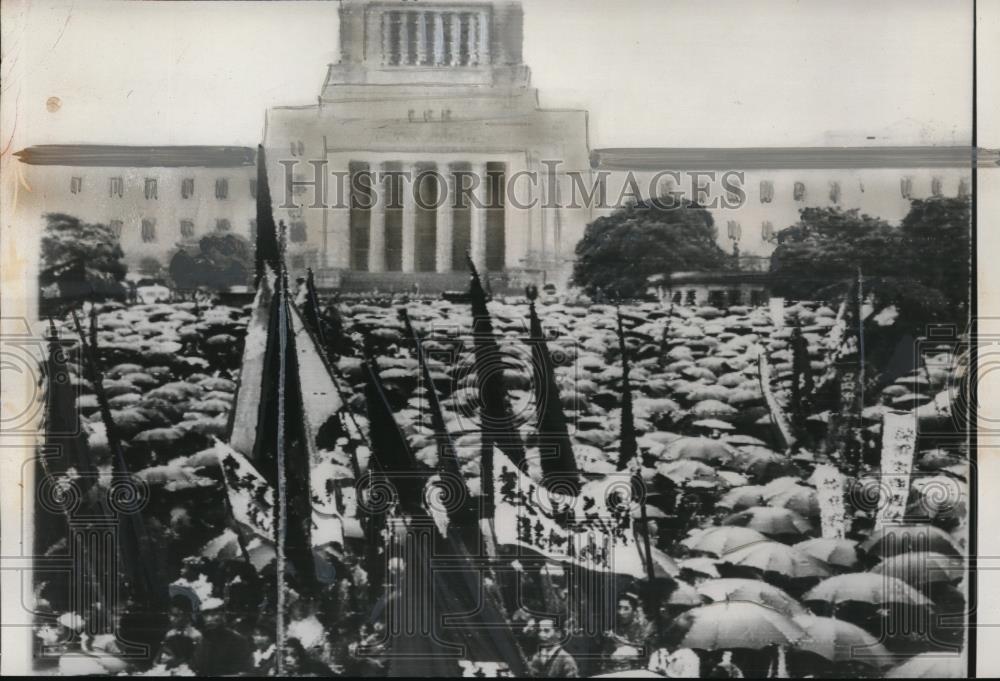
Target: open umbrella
(740, 498)
(687, 470)
(921, 568)
(931, 666)
(721, 540)
(752, 591)
(840, 552)
(733, 624)
(698, 449)
(700, 566)
(894, 539)
(840, 641)
(773, 556)
(770, 521)
(799, 498)
(865, 587)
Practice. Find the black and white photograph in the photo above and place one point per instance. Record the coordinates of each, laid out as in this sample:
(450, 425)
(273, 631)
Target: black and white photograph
(496, 338)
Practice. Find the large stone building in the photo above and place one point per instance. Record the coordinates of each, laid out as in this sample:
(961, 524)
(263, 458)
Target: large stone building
(437, 91)
(158, 200)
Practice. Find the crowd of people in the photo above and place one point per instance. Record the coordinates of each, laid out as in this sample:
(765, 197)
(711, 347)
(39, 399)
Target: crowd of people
(733, 518)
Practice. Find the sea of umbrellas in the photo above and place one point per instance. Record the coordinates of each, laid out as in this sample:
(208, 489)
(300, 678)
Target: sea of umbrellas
(735, 521)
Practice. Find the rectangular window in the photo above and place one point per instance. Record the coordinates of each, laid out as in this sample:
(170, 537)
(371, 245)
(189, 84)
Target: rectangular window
(297, 232)
(222, 225)
(222, 188)
(187, 187)
(116, 187)
(76, 185)
(150, 188)
(148, 230)
(187, 228)
(253, 189)
(116, 228)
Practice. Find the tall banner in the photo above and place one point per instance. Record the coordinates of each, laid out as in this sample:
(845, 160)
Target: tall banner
(829, 482)
(899, 439)
(777, 415)
(592, 530)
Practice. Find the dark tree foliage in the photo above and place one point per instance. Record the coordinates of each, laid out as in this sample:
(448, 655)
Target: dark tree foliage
(922, 267)
(913, 275)
(80, 259)
(223, 260)
(619, 252)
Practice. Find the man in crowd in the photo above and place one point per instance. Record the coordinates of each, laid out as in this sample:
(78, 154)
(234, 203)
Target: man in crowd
(222, 650)
(551, 661)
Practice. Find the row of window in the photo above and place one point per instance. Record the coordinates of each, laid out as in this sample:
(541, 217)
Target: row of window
(116, 187)
(297, 232)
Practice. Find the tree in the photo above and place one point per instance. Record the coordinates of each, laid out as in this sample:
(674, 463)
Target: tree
(619, 252)
(223, 260)
(80, 260)
(922, 267)
(913, 275)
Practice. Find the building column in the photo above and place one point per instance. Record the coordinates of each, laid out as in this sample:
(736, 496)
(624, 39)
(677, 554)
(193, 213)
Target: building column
(438, 38)
(477, 216)
(484, 39)
(456, 39)
(445, 218)
(473, 36)
(376, 222)
(386, 37)
(421, 37)
(404, 38)
(409, 179)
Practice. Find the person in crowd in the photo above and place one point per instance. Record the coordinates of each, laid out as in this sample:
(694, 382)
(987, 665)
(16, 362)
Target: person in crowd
(174, 658)
(297, 662)
(222, 650)
(264, 647)
(631, 626)
(551, 661)
(631, 635)
(182, 620)
(305, 626)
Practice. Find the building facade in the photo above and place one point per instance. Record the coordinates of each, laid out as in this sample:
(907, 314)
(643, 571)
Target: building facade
(429, 102)
(158, 200)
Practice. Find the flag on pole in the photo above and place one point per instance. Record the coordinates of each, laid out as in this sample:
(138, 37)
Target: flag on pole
(283, 447)
(777, 414)
(243, 416)
(497, 427)
(448, 463)
(553, 432)
(268, 252)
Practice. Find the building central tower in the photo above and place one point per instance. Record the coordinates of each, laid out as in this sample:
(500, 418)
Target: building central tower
(428, 98)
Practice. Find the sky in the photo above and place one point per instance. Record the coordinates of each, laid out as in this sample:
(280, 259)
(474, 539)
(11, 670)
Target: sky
(650, 72)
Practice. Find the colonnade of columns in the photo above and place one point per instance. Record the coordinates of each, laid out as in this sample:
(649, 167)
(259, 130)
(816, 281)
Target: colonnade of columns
(415, 37)
(444, 207)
